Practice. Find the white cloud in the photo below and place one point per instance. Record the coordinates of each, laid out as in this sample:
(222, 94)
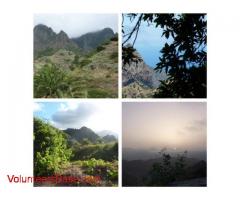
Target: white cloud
(98, 116)
(37, 107)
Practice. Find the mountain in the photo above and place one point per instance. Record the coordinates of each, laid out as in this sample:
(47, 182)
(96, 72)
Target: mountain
(47, 41)
(152, 153)
(91, 74)
(92, 40)
(140, 80)
(79, 135)
(107, 132)
(82, 133)
(109, 138)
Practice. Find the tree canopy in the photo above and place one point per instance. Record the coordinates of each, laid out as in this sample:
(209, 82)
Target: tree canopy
(183, 56)
(50, 149)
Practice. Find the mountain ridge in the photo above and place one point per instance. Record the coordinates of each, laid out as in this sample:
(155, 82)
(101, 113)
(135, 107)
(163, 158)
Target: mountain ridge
(92, 40)
(46, 39)
(86, 133)
(139, 79)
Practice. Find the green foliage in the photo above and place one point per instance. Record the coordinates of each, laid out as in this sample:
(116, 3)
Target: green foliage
(72, 67)
(97, 93)
(76, 60)
(106, 42)
(183, 57)
(51, 82)
(50, 149)
(128, 55)
(114, 56)
(100, 48)
(185, 83)
(46, 52)
(115, 38)
(85, 62)
(96, 167)
(103, 151)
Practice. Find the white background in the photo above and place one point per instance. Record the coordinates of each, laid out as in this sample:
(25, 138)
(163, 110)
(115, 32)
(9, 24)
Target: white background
(16, 150)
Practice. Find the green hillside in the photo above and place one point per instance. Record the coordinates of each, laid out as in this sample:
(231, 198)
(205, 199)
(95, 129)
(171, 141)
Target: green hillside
(93, 163)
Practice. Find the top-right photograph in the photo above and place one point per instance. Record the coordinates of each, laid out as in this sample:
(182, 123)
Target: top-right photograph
(164, 55)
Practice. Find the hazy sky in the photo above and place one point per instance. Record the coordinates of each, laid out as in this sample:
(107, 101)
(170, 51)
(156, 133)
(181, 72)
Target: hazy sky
(149, 41)
(157, 125)
(97, 115)
(77, 24)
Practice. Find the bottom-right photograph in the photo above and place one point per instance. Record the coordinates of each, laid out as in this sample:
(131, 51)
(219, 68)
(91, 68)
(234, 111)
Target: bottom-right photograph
(164, 144)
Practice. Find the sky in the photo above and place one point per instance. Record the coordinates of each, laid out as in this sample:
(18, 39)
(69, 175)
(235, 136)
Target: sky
(149, 41)
(177, 126)
(97, 115)
(77, 24)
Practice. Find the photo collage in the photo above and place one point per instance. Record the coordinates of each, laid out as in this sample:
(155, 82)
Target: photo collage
(120, 100)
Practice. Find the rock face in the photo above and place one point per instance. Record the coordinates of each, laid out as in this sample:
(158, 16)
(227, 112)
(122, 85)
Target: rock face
(142, 73)
(90, 41)
(45, 39)
(139, 76)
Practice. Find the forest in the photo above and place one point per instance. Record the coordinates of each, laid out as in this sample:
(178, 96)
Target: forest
(78, 153)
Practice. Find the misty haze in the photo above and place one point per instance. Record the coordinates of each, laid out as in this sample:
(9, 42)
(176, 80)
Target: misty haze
(158, 137)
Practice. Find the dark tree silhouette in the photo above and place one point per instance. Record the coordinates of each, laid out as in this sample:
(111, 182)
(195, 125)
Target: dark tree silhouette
(168, 170)
(183, 57)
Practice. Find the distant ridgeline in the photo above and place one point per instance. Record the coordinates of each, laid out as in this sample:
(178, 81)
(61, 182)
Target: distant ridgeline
(84, 133)
(46, 41)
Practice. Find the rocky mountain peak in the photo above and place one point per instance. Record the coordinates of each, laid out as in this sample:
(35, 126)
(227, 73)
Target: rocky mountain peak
(140, 72)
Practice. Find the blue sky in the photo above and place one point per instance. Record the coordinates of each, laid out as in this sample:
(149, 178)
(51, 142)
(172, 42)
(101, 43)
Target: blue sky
(96, 115)
(149, 41)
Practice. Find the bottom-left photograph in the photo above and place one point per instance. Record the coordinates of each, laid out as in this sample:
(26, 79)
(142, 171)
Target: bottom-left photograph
(76, 143)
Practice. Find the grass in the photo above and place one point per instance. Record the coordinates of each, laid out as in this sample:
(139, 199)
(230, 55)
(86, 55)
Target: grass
(94, 75)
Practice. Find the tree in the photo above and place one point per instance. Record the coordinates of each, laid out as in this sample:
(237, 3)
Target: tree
(50, 149)
(162, 173)
(51, 82)
(183, 57)
(168, 170)
(76, 60)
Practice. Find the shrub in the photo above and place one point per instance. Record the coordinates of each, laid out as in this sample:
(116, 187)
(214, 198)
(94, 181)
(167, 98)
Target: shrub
(45, 52)
(100, 48)
(114, 56)
(85, 62)
(51, 81)
(115, 38)
(76, 60)
(50, 149)
(107, 170)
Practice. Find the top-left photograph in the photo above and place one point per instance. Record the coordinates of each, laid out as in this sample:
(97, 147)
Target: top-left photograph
(75, 55)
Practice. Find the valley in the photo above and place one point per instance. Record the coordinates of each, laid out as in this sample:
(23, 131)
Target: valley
(83, 67)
